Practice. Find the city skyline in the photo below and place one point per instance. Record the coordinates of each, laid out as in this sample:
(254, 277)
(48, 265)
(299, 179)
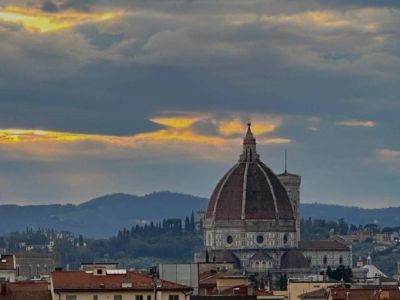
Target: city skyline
(98, 97)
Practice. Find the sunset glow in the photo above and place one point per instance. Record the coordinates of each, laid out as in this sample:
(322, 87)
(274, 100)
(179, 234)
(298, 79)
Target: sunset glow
(176, 131)
(36, 20)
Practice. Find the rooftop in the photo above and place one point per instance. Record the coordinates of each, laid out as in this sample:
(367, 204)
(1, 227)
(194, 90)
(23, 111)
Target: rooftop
(7, 262)
(364, 294)
(322, 245)
(79, 281)
(25, 290)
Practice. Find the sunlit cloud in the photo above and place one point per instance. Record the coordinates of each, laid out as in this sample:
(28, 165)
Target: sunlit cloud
(176, 122)
(388, 155)
(356, 123)
(36, 20)
(177, 135)
(260, 125)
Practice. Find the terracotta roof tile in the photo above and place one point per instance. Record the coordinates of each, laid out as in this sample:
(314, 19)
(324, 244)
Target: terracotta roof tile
(364, 294)
(79, 280)
(316, 294)
(25, 290)
(322, 245)
(262, 188)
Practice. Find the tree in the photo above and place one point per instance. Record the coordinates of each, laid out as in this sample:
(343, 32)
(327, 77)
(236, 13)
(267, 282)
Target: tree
(80, 241)
(188, 226)
(329, 272)
(192, 223)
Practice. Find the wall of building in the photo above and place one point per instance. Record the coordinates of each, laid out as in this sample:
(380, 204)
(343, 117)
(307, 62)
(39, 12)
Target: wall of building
(332, 258)
(7, 275)
(186, 274)
(125, 295)
(292, 183)
(218, 239)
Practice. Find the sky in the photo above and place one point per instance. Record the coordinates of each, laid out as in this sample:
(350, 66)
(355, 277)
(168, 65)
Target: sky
(133, 96)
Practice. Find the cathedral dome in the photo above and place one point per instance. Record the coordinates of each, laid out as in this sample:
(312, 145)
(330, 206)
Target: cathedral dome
(249, 190)
(294, 259)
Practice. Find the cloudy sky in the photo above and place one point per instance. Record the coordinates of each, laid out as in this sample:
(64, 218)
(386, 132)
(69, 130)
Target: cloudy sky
(100, 96)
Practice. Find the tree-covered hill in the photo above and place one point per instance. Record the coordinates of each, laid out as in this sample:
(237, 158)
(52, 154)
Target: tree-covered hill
(104, 216)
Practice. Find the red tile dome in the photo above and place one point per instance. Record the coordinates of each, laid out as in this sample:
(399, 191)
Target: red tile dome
(249, 190)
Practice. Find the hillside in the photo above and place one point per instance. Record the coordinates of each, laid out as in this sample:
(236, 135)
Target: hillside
(389, 216)
(100, 217)
(104, 216)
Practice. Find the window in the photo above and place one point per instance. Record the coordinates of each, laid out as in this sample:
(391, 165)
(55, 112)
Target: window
(173, 297)
(260, 239)
(285, 239)
(139, 297)
(148, 297)
(70, 297)
(229, 239)
(325, 260)
(341, 260)
(117, 297)
(95, 297)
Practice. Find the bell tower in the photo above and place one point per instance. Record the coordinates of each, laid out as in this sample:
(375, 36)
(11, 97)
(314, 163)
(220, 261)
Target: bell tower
(292, 182)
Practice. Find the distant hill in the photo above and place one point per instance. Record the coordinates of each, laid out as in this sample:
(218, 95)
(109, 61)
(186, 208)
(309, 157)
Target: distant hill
(100, 217)
(104, 216)
(383, 217)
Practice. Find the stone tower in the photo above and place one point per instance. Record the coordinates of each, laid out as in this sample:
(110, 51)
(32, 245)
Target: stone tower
(292, 182)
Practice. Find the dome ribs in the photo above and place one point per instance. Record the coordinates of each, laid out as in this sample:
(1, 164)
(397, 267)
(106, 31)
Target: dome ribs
(212, 205)
(229, 203)
(284, 205)
(260, 199)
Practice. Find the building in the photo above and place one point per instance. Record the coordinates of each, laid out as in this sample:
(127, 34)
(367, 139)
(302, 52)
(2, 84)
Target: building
(253, 220)
(8, 271)
(25, 290)
(324, 253)
(33, 265)
(308, 289)
(102, 284)
(341, 293)
(185, 274)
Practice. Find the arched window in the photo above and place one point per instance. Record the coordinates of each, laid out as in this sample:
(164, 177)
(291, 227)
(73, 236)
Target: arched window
(260, 239)
(325, 260)
(229, 239)
(264, 264)
(285, 239)
(341, 260)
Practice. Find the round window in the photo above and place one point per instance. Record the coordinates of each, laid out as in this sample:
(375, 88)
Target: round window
(285, 239)
(229, 239)
(260, 239)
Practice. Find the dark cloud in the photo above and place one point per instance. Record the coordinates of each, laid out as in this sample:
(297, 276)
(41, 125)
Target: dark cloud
(79, 5)
(313, 63)
(49, 6)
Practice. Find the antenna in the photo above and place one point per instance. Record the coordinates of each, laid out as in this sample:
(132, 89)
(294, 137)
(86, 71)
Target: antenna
(285, 161)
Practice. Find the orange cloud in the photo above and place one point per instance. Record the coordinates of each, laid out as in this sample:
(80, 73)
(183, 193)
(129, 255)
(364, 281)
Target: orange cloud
(260, 125)
(36, 20)
(176, 122)
(177, 136)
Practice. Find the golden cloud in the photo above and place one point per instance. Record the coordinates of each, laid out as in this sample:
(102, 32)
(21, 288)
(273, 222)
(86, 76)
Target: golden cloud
(260, 125)
(36, 20)
(178, 135)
